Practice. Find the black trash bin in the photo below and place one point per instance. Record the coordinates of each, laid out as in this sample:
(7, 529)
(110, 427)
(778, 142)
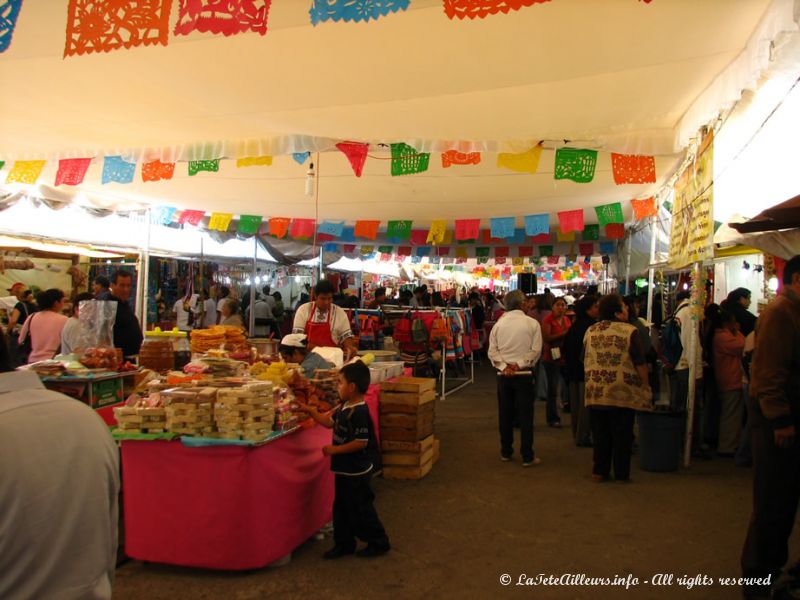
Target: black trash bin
(660, 440)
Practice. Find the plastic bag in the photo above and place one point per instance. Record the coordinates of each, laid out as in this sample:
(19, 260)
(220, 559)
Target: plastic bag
(97, 323)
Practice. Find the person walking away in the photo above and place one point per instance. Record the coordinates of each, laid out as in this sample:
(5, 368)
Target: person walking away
(586, 311)
(58, 503)
(727, 353)
(616, 385)
(71, 334)
(278, 313)
(354, 514)
(555, 328)
(263, 316)
(774, 420)
(515, 346)
(45, 326)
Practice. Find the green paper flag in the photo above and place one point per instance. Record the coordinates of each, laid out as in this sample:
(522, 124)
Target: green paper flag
(574, 164)
(385, 249)
(407, 161)
(609, 213)
(249, 224)
(195, 166)
(545, 251)
(398, 230)
(2, 163)
(482, 260)
(591, 233)
(481, 252)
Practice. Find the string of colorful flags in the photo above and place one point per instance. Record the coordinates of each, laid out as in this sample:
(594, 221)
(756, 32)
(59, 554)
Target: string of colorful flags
(95, 25)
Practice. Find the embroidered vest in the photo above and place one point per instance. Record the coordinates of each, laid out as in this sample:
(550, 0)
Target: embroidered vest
(611, 377)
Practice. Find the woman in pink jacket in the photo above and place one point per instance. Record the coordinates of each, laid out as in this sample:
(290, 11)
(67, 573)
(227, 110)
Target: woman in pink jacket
(727, 357)
(44, 327)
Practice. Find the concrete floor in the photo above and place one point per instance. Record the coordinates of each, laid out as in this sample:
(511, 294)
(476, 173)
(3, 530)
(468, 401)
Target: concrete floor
(474, 519)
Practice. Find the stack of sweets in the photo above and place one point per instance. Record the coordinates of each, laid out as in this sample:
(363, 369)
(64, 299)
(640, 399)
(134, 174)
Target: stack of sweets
(132, 419)
(285, 409)
(245, 413)
(190, 411)
(326, 383)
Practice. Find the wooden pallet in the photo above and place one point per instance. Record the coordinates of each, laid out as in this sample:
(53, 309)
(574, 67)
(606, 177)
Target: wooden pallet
(409, 460)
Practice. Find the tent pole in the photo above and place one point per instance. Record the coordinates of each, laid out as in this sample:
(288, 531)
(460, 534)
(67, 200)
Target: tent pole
(693, 349)
(251, 325)
(628, 266)
(651, 271)
(143, 275)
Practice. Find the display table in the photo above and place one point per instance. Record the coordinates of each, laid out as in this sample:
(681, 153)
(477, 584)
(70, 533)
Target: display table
(95, 389)
(225, 507)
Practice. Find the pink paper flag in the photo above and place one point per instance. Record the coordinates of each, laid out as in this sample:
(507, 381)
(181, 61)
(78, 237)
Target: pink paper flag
(71, 171)
(356, 153)
(467, 229)
(192, 217)
(303, 228)
(570, 220)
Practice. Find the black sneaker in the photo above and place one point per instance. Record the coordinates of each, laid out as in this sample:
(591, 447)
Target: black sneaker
(338, 552)
(371, 551)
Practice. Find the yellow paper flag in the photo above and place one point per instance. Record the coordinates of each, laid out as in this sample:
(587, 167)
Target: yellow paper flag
(220, 221)
(461, 253)
(367, 250)
(437, 231)
(448, 237)
(524, 162)
(254, 161)
(25, 171)
(565, 237)
(517, 261)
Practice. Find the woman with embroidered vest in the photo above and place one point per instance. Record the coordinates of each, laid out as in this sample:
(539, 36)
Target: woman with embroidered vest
(616, 385)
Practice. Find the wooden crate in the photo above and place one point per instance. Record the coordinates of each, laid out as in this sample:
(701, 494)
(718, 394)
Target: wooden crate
(412, 385)
(395, 472)
(401, 399)
(435, 451)
(409, 460)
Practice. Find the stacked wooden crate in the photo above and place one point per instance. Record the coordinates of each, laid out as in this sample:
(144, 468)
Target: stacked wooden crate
(406, 427)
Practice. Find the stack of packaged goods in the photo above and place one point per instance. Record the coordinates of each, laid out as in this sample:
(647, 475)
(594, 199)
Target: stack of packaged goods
(140, 419)
(285, 409)
(190, 411)
(245, 413)
(326, 382)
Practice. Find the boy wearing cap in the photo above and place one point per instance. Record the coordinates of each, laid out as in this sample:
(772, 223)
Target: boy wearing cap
(294, 349)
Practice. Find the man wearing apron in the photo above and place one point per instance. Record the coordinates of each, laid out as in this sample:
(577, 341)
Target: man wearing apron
(324, 324)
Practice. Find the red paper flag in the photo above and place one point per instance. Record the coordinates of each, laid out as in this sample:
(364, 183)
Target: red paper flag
(482, 8)
(279, 226)
(303, 228)
(356, 154)
(325, 237)
(228, 18)
(442, 251)
(385, 257)
(486, 237)
(615, 231)
(501, 251)
(467, 229)
(553, 260)
(349, 248)
(419, 237)
(404, 251)
(633, 169)
(192, 217)
(644, 208)
(367, 229)
(570, 220)
(499, 260)
(454, 157)
(525, 251)
(156, 171)
(586, 249)
(71, 171)
(542, 238)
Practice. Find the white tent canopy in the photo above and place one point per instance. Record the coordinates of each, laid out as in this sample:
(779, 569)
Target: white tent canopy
(617, 75)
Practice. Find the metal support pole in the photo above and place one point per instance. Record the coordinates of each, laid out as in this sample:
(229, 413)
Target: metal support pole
(143, 276)
(628, 266)
(651, 271)
(251, 326)
(693, 349)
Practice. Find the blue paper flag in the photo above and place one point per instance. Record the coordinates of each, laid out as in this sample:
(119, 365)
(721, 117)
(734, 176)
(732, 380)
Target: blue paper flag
(348, 234)
(8, 20)
(537, 224)
(503, 227)
(423, 251)
(353, 10)
(301, 157)
(415, 260)
(608, 247)
(163, 215)
(117, 170)
(331, 228)
(330, 247)
(519, 236)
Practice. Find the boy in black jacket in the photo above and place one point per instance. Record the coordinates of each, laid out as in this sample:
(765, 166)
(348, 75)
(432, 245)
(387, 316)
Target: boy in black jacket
(354, 514)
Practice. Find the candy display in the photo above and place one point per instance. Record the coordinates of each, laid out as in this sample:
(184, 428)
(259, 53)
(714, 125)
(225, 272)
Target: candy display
(189, 411)
(132, 419)
(246, 413)
(99, 358)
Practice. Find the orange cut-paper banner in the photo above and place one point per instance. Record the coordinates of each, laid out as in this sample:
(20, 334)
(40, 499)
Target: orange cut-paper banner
(437, 231)
(157, 170)
(279, 227)
(454, 157)
(220, 221)
(367, 229)
(482, 8)
(254, 161)
(25, 171)
(523, 162)
(643, 209)
(629, 168)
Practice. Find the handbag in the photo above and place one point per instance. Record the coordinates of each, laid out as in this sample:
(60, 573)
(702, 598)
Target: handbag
(402, 330)
(439, 331)
(419, 333)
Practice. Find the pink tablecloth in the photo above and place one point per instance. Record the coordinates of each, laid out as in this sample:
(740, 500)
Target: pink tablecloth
(225, 507)
(372, 398)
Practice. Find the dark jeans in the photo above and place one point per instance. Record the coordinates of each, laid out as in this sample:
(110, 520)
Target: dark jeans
(612, 434)
(579, 414)
(776, 490)
(515, 398)
(679, 402)
(354, 514)
(556, 386)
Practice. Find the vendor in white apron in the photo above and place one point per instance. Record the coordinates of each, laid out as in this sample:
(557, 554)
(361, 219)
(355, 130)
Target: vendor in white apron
(326, 326)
